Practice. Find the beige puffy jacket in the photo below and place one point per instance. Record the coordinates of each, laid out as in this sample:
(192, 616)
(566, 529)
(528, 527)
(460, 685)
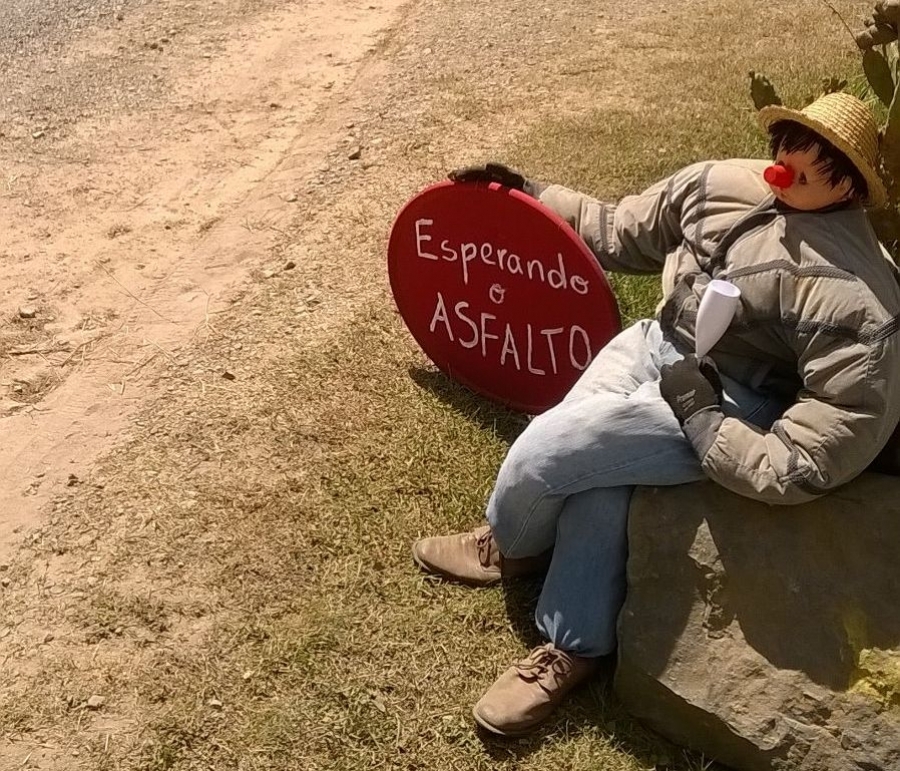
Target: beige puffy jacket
(817, 325)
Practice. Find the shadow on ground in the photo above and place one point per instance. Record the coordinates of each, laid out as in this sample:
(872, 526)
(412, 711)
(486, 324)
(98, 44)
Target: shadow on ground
(504, 422)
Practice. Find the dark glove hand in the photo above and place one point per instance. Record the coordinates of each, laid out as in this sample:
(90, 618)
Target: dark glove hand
(497, 172)
(489, 172)
(690, 385)
(882, 27)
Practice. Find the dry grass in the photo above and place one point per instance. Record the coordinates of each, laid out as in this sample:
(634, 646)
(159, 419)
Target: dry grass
(235, 581)
(27, 338)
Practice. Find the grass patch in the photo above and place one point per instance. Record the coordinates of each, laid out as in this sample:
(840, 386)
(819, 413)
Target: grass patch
(108, 612)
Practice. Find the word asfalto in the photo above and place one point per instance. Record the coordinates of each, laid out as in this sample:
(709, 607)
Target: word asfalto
(514, 342)
(574, 340)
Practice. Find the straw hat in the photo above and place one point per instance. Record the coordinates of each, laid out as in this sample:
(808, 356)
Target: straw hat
(849, 125)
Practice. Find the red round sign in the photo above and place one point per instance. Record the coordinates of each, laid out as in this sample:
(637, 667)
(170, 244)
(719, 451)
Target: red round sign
(499, 291)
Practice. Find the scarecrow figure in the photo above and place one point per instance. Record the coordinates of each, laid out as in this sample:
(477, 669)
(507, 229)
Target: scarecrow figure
(796, 399)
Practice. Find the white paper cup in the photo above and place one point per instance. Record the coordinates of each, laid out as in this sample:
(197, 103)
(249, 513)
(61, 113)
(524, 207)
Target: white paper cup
(717, 308)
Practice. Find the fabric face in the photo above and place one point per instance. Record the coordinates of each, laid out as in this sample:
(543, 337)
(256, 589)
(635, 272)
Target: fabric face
(810, 189)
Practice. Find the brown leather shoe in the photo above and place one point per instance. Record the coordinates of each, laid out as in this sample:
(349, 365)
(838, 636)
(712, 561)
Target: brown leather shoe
(472, 558)
(528, 692)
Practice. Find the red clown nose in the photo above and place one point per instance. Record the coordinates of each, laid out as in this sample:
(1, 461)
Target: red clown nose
(778, 175)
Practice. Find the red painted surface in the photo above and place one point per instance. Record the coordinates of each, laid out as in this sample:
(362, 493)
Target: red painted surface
(778, 175)
(500, 293)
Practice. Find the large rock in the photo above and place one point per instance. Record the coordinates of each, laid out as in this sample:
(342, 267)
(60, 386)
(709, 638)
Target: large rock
(767, 637)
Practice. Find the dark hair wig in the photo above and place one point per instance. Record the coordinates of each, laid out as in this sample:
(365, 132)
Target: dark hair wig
(790, 136)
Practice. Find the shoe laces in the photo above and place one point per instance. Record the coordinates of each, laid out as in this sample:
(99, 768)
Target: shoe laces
(542, 661)
(485, 545)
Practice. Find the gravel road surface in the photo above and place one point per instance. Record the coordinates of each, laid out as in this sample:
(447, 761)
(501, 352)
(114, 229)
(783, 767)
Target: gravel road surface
(50, 78)
(31, 26)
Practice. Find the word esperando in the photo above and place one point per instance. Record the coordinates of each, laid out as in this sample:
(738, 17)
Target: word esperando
(499, 258)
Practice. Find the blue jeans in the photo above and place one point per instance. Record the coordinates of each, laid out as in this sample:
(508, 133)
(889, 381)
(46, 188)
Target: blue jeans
(567, 481)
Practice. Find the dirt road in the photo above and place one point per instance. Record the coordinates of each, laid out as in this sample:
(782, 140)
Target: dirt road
(147, 163)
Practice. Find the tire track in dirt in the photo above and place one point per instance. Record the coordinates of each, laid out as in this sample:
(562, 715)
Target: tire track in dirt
(127, 234)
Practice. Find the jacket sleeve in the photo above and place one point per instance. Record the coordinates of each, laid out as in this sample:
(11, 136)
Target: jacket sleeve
(635, 235)
(842, 418)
